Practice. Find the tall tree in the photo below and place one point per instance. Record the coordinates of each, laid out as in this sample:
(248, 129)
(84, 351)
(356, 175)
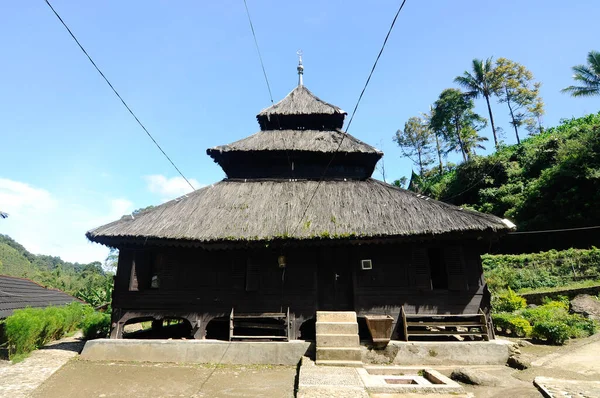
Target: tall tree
(588, 75)
(517, 89)
(534, 125)
(482, 81)
(454, 118)
(439, 144)
(415, 142)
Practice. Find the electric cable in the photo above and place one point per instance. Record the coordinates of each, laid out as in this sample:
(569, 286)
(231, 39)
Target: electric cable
(344, 134)
(117, 94)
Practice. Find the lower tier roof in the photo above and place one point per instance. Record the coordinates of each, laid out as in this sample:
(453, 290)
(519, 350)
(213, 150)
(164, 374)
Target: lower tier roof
(262, 210)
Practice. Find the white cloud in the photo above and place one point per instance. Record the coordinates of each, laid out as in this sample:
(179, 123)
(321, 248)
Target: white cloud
(45, 223)
(170, 188)
(17, 198)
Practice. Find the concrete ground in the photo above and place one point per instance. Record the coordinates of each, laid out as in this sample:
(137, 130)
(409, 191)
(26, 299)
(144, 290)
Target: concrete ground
(578, 360)
(21, 379)
(80, 378)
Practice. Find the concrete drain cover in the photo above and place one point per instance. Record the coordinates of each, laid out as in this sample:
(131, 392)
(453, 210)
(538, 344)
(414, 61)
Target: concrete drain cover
(558, 388)
(398, 380)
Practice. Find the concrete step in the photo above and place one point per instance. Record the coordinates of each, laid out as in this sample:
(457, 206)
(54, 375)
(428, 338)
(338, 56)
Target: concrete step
(338, 353)
(336, 316)
(338, 340)
(336, 327)
(329, 362)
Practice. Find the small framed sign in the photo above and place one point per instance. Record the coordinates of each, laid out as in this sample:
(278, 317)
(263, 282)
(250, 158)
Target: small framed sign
(366, 264)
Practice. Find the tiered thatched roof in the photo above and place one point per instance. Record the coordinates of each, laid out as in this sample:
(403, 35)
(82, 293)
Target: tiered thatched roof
(297, 140)
(266, 210)
(301, 101)
(301, 104)
(272, 176)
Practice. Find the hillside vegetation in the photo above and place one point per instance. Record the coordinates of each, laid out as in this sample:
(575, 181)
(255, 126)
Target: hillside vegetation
(88, 282)
(550, 180)
(521, 272)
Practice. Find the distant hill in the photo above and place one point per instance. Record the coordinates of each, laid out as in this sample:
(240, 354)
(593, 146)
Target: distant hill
(50, 271)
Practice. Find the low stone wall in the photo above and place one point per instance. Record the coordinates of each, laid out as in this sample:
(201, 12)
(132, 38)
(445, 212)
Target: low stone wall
(537, 298)
(432, 353)
(196, 351)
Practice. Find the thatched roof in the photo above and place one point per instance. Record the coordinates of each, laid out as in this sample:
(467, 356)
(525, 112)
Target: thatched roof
(298, 140)
(300, 110)
(300, 101)
(235, 210)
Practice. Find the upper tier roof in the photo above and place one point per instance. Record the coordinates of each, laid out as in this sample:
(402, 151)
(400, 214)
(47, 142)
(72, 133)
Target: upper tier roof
(326, 141)
(301, 102)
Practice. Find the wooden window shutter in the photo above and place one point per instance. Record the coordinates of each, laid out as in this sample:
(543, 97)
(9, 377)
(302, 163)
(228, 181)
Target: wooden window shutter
(252, 276)
(420, 268)
(455, 268)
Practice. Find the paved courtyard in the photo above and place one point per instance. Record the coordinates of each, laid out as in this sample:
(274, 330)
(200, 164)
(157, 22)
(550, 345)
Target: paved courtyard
(80, 378)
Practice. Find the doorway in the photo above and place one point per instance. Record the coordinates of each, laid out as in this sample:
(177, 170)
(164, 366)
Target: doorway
(334, 282)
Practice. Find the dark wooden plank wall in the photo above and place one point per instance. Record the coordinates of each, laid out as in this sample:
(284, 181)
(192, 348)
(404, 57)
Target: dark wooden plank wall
(214, 282)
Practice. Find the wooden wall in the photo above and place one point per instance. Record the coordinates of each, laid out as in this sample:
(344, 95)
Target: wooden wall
(211, 283)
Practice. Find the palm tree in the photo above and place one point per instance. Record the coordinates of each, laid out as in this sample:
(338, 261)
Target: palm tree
(483, 81)
(588, 75)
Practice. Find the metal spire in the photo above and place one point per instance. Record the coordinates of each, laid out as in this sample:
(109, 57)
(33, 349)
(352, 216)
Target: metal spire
(300, 68)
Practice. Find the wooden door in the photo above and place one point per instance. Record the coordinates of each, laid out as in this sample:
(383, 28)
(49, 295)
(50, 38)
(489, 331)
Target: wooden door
(335, 283)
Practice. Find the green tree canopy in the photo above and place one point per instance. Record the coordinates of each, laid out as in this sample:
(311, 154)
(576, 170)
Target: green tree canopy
(588, 76)
(482, 81)
(415, 142)
(517, 89)
(453, 117)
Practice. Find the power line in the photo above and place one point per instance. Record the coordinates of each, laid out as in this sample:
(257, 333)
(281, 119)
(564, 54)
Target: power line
(117, 94)
(554, 230)
(262, 65)
(352, 115)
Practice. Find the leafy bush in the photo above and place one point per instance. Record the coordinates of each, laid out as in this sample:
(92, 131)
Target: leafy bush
(30, 328)
(520, 326)
(508, 301)
(550, 322)
(554, 332)
(512, 324)
(96, 325)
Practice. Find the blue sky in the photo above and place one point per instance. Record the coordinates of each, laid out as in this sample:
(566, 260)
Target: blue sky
(73, 158)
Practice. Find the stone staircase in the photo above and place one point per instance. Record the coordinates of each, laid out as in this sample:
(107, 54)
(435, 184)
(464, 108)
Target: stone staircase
(337, 339)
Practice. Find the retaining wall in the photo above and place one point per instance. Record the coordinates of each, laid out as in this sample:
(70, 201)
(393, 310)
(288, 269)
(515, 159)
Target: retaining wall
(196, 351)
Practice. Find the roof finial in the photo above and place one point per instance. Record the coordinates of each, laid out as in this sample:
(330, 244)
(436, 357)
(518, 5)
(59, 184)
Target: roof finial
(300, 68)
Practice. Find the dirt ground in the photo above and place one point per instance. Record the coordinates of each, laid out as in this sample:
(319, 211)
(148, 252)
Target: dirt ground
(80, 378)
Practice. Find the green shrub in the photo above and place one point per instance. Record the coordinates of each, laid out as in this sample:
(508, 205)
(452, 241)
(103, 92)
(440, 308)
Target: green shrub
(508, 301)
(96, 325)
(506, 323)
(501, 321)
(30, 328)
(554, 332)
(520, 326)
(552, 321)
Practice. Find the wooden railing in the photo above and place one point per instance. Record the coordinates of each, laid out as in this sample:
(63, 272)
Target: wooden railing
(445, 325)
(262, 325)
